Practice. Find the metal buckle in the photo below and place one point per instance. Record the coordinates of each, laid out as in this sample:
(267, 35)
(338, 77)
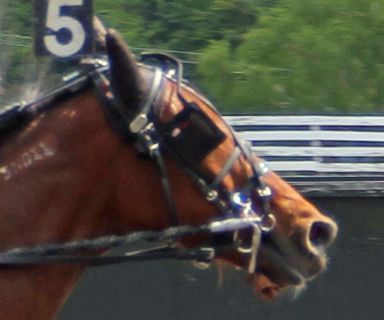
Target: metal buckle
(212, 195)
(264, 168)
(138, 123)
(253, 249)
(264, 192)
(268, 223)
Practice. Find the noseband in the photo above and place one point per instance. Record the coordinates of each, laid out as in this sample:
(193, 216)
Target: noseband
(154, 138)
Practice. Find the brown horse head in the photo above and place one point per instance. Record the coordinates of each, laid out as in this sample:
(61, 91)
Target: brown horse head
(295, 250)
(66, 175)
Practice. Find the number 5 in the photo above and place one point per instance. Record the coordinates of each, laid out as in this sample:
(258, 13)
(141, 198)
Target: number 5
(56, 22)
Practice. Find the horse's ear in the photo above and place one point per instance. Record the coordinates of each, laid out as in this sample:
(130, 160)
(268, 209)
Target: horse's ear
(100, 33)
(126, 80)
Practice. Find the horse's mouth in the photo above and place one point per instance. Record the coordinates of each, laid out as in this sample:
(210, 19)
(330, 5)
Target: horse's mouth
(282, 265)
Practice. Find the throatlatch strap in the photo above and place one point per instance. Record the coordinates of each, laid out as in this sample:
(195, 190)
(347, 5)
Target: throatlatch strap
(166, 186)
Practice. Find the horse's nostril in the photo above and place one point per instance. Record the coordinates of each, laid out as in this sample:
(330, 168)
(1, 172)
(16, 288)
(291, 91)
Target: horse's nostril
(322, 234)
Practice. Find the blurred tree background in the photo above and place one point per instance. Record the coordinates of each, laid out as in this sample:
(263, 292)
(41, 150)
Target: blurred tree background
(248, 55)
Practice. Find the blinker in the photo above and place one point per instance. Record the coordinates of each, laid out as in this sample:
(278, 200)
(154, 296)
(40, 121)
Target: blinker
(191, 127)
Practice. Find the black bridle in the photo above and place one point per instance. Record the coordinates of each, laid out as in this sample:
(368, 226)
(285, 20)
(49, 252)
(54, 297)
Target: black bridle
(237, 207)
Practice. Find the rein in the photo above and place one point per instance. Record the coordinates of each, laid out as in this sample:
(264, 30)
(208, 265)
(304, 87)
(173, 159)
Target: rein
(149, 136)
(86, 251)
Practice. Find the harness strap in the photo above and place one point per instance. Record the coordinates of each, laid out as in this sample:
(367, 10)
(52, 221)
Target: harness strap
(141, 120)
(143, 127)
(166, 185)
(202, 255)
(227, 167)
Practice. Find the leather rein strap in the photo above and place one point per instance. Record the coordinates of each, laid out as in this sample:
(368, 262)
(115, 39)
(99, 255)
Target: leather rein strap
(88, 251)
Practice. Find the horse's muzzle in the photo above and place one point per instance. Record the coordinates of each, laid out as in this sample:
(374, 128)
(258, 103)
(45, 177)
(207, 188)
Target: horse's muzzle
(321, 235)
(292, 261)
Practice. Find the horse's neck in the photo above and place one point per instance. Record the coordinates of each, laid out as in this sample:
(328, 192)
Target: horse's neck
(52, 175)
(55, 185)
(68, 176)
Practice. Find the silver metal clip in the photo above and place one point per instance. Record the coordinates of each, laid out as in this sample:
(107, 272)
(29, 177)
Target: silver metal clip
(138, 123)
(212, 195)
(251, 250)
(268, 223)
(264, 168)
(264, 192)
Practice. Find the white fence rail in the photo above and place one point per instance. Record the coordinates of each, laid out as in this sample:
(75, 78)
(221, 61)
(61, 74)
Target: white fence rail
(320, 155)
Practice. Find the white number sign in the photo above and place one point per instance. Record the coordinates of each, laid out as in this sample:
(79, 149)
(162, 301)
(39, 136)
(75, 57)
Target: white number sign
(63, 27)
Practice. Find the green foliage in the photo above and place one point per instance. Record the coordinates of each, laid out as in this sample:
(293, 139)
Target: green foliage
(256, 55)
(215, 70)
(230, 19)
(117, 14)
(15, 20)
(17, 16)
(317, 55)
